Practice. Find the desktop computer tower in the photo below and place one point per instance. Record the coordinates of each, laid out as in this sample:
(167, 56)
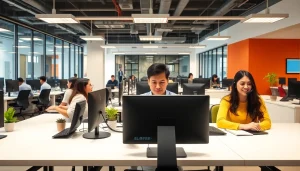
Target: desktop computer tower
(1, 109)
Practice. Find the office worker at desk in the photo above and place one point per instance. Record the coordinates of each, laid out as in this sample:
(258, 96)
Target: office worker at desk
(80, 92)
(214, 82)
(243, 108)
(24, 86)
(158, 76)
(112, 81)
(44, 85)
(190, 78)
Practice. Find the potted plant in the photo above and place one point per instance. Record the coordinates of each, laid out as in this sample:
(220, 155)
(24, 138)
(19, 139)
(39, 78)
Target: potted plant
(9, 119)
(61, 124)
(111, 115)
(272, 80)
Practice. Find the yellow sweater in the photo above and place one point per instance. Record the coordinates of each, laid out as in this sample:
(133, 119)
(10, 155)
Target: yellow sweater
(228, 120)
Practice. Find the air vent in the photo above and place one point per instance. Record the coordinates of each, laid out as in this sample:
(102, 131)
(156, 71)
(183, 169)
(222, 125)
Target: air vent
(125, 4)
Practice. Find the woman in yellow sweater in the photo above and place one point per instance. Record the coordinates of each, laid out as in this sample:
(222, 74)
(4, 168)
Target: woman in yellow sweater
(243, 108)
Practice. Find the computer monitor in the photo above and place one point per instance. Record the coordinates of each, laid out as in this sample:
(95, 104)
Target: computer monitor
(227, 82)
(35, 84)
(205, 81)
(142, 87)
(112, 86)
(96, 114)
(1, 83)
(173, 87)
(63, 84)
(144, 79)
(12, 86)
(193, 89)
(282, 80)
(294, 90)
(51, 82)
(184, 116)
(183, 80)
(292, 79)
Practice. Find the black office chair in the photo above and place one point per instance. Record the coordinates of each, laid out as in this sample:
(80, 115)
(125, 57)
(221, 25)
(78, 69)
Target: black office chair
(108, 95)
(22, 101)
(120, 93)
(43, 100)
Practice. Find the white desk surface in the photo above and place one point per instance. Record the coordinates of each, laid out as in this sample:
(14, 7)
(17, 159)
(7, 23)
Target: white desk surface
(31, 144)
(52, 93)
(115, 90)
(280, 103)
(279, 148)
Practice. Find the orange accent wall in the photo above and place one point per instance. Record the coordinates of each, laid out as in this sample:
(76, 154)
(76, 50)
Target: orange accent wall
(238, 57)
(264, 55)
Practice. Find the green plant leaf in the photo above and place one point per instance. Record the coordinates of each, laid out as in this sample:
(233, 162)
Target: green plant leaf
(9, 116)
(111, 113)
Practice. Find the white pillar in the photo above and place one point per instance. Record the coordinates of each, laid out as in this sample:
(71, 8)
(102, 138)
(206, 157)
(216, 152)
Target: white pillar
(95, 64)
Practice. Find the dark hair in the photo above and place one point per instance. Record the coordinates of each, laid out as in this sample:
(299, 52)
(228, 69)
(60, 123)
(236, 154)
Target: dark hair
(190, 74)
(215, 76)
(72, 80)
(112, 76)
(253, 106)
(75, 75)
(20, 80)
(79, 88)
(158, 68)
(43, 78)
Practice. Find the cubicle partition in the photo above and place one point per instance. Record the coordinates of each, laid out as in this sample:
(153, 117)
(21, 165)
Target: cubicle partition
(1, 109)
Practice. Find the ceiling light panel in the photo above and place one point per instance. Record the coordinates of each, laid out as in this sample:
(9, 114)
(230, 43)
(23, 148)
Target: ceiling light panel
(218, 37)
(150, 38)
(150, 18)
(264, 18)
(57, 18)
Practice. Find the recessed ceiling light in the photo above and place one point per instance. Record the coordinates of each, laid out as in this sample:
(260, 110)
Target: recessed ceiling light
(150, 38)
(150, 18)
(94, 38)
(218, 37)
(57, 18)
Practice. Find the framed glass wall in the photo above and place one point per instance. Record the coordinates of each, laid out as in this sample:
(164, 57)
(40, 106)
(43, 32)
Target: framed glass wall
(131, 66)
(80, 60)
(38, 54)
(72, 61)
(58, 58)
(213, 61)
(25, 53)
(147, 60)
(66, 60)
(76, 59)
(7, 50)
(49, 67)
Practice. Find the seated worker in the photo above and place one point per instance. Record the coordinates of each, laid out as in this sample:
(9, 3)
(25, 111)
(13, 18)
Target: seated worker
(44, 85)
(214, 82)
(112, 81)
(158, 75)
(190, 78)
(24, 86)
(68, 93)
(80, 92)
(243, 108)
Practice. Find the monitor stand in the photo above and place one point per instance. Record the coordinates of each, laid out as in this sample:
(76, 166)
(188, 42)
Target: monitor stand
(96, 134)
(166, 151)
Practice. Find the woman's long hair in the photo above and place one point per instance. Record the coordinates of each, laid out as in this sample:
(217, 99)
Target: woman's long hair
(72, 80)
(213, 78)
(253, 106)
(79, 88)
(190, 74)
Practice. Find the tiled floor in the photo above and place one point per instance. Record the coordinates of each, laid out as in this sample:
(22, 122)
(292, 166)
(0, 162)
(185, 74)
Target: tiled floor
(68, 168)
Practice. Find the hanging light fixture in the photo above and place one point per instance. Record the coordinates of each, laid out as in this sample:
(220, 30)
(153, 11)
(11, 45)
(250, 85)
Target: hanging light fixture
(218, 37)
(91, 37)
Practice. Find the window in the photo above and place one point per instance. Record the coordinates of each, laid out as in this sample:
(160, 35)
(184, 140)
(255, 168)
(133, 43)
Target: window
(72, 60)
(38, 54)
(25, 53)
(66, 60)
(7, 50)
(219, 62)
(58, 58)
(76, 59)
(49, 68)
(224, 62)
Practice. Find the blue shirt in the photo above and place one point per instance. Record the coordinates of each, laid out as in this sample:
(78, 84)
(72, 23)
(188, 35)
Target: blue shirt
(25, 86)
(45, 86)
(168, 93)
(120, 73)
(111, 82)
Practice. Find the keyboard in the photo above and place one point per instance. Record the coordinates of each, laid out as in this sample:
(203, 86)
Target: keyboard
(215, 131)
(63, 134)
(256, 132)
(286, 98)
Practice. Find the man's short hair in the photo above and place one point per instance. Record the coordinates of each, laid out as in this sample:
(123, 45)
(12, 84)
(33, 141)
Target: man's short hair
(158, 68)
(112, 76)
(21, 80)
(43, 78)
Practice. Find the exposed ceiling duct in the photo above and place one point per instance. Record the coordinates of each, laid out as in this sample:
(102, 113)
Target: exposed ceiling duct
(163, 9)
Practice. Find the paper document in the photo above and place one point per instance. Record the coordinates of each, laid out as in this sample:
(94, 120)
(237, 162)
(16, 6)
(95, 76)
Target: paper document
(239, 132)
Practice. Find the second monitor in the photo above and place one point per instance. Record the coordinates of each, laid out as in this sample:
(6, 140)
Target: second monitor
(193, 89)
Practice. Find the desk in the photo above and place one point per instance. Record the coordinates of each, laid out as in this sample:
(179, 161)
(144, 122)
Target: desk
(52, 98)
(39, 149)
(214, 93)
(282, 112)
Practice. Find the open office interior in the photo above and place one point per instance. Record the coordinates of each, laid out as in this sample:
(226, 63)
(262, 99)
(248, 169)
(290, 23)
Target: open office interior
(94, 39)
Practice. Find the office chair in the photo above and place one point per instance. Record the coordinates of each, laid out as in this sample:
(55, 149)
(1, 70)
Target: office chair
(144, 79)
(108, 95)
(213, 113)
(281, 92)
(22, 101)
(120, 93)
(43, 101)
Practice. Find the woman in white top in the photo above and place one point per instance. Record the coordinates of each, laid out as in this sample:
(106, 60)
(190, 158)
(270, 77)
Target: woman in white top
(80, 92)
(71, 84)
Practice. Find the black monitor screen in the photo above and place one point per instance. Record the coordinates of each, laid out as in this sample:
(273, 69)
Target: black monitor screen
(1, 84)
(35, 84)
(205, 81)
(227, 82)
(292, 79)
(142, 87)
(294, 89)
(173, 87)
(63, 83)
(51, 82)
(1, 109)
(193, 89)
(96, 114)
(12, 85)
(183, 80)
(282, 80)
(189, 115)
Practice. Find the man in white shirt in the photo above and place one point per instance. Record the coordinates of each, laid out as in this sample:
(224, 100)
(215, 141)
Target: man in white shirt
(24, 86)
(44, 85)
